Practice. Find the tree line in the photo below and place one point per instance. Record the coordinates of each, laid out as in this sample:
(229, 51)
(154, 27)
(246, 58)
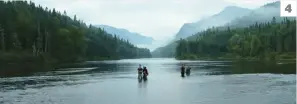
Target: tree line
(30, 30)
(270, 40)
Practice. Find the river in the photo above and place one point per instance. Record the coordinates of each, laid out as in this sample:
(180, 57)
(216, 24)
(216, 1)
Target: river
(115, 82)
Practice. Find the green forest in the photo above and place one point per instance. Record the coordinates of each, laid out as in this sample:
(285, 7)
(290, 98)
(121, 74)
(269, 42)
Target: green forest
(263, 41)
(31, 33)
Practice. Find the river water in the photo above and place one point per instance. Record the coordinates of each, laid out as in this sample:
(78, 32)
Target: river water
(115, 82)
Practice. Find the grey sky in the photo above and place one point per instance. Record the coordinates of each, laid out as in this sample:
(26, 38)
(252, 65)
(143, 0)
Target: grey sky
(160, 19)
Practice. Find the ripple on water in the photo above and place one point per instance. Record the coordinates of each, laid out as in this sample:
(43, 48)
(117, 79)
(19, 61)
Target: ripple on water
(113, 82)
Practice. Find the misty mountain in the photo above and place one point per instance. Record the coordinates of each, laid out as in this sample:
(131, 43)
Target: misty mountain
(134, 38)
(226, 15)
(264, 13)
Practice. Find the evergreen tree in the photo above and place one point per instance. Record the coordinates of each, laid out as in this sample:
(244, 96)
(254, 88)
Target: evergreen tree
(27, 28)
(258, 40)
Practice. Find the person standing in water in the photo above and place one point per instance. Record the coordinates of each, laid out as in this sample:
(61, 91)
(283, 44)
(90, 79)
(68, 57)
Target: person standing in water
(182, 70)
(188, 71)
(145, 73)
(140, 72)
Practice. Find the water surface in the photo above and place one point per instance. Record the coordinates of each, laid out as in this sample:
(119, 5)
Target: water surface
(115, 82)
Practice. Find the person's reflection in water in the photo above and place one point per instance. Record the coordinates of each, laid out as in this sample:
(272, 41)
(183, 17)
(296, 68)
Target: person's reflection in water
(142, 92)
(142, 85)
(139, 80)
(145, 84)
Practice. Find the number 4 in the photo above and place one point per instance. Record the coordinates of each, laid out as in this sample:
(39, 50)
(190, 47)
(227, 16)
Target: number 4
(288, 8)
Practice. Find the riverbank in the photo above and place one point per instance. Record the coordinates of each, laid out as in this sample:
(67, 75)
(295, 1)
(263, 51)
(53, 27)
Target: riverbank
(268, 57)
(25, 63)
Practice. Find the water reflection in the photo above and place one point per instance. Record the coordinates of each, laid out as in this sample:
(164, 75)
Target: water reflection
(142, 93)
(142, 84)
(116, 69)
(210, 82)
(139, 80)
(127, 69)
(242, 67)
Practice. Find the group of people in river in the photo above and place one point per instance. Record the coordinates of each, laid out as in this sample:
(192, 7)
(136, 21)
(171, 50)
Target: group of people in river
(143, 72)
(184, 70)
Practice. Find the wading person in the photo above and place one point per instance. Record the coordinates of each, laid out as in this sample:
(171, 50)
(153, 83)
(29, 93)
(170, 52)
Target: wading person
(182, 70)
(140, 71)
(188, 71)
(145, 73)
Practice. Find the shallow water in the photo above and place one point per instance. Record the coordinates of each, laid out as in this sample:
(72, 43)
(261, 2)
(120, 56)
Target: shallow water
(115, 82)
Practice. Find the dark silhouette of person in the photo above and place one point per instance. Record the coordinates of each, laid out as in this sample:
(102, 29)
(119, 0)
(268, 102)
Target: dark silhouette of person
(182, 70)
(188, 71)
(145, 73)
(140, 72)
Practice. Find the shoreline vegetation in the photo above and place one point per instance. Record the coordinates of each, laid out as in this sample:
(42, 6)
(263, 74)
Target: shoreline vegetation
(281, 57)
(39, 38)
(269, 41)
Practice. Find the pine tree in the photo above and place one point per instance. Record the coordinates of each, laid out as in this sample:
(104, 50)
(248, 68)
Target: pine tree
(2, 39)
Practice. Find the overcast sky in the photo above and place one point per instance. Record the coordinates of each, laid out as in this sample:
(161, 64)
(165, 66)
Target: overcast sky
(160, 19)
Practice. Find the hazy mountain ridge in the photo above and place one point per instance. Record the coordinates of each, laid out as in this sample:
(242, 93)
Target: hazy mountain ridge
(134, 38)
(264, 13)
(226, 15)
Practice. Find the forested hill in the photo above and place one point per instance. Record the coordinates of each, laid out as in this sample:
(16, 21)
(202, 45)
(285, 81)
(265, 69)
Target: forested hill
(268, 40)
(30, 30)
(262, 15)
